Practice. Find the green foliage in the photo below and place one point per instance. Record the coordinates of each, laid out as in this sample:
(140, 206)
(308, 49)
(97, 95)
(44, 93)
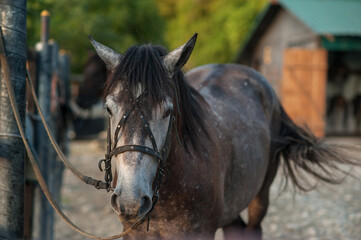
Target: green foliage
(222, 26)
(115, 23)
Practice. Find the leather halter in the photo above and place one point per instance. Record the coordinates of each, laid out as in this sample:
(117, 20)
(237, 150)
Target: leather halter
(161, 155)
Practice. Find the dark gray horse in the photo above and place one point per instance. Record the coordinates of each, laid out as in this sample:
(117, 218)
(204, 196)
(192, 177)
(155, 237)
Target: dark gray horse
(228, 133)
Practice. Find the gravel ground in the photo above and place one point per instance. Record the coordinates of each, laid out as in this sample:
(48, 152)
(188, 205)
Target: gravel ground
(331, 212)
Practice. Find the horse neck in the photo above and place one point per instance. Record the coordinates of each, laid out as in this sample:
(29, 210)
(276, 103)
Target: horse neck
(180, 165)
(174, 160)
(175, 165)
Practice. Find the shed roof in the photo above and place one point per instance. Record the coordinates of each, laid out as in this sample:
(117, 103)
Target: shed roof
(334, 17)
(340, 18)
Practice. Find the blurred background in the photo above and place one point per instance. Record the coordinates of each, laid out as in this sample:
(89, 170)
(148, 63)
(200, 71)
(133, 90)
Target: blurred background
(222, 25)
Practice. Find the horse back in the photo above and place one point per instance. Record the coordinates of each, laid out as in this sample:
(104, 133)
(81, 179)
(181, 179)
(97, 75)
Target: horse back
(241, 106)
(227, 81)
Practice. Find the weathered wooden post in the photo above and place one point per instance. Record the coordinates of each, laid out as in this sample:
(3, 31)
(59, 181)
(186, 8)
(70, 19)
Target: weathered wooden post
(62, 117)
(53, 120)
(12, 151)
(42, 144)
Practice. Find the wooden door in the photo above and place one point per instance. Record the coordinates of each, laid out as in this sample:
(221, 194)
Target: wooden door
(303, 87)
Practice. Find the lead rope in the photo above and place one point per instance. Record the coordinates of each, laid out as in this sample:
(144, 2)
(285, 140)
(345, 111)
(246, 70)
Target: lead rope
(32, 156)
(88, 180)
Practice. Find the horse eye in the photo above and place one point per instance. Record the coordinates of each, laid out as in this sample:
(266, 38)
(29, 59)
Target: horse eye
(167, 113)
(109, 112)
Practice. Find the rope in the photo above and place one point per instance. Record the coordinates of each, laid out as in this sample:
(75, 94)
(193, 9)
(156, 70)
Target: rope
(85, 179)
(32, 156)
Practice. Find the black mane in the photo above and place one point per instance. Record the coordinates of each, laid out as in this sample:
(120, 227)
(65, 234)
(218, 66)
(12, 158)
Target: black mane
(142, 66)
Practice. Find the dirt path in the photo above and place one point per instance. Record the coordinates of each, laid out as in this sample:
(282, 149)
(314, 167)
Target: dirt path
(86, 206)
(332, 212)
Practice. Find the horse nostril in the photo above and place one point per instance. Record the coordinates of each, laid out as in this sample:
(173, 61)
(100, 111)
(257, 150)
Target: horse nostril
(146, 205)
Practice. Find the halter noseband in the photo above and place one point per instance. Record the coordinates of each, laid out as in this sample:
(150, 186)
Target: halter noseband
(154, 152)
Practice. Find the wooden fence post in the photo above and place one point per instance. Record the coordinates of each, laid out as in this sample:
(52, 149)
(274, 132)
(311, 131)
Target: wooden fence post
(42, 144)
(12, 151)
(62, 117)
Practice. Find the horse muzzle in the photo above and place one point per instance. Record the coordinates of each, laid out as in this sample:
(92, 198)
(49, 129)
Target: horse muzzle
(129, 206)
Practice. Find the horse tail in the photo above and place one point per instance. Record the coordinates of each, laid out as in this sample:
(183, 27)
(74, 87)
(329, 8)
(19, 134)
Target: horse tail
(305, 155)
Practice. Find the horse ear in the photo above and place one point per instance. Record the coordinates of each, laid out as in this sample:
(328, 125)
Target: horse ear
(109, 56)
(176, 59)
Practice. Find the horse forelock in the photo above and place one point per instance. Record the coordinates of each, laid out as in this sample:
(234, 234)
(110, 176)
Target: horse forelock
(142, 68)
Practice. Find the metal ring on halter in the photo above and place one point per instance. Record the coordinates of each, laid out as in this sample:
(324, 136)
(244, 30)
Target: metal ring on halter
(100, 164)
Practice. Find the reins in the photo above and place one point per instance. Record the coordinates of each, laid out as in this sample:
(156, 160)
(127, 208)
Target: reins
(32, 155)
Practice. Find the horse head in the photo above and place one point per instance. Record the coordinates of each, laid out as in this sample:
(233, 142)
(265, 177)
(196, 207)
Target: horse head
(140, 100)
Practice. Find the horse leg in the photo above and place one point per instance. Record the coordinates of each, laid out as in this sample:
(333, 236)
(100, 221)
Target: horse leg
(235, 229)
(257, 210)
(258, 207)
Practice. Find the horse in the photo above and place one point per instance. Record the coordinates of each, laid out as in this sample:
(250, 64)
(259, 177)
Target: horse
(91, 89)
(218, 136)
(86, 109)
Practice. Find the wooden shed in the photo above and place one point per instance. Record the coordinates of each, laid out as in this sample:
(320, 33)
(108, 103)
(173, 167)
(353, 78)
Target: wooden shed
(310, 51)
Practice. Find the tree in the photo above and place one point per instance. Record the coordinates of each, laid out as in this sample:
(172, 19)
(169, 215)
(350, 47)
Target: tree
(222, 26)
(115, 23)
